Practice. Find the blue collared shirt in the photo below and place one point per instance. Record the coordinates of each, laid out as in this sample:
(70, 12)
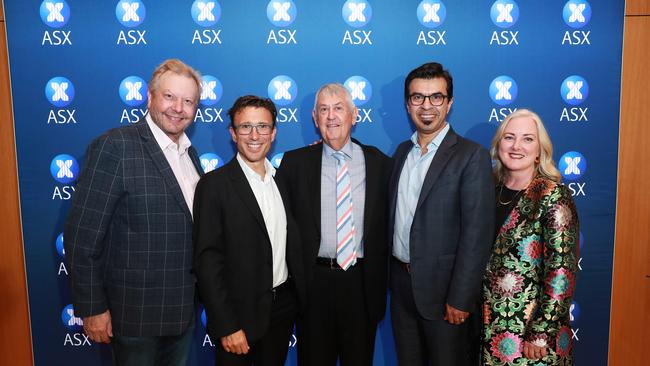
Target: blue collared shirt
(357, 169)
(413, 173)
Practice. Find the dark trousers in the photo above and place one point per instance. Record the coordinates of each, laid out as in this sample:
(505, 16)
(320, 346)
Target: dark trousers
(271, 349)
(153, 351)
(336, 324)
(420, 341)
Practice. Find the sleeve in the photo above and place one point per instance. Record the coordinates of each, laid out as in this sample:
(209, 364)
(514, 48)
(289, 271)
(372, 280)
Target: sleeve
(477, 225)
(98, 191)
(560, 247)
(210, 258)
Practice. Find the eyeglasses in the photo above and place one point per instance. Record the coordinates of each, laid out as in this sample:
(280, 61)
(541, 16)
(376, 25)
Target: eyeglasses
(436, 99)
(247, 128)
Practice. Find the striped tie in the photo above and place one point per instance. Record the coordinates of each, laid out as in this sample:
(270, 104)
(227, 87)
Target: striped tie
(346, 254)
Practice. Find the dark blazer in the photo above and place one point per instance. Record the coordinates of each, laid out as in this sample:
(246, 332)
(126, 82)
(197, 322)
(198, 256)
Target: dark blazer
(452, 231)
(233, 256)
(301, 171)
(128, 239)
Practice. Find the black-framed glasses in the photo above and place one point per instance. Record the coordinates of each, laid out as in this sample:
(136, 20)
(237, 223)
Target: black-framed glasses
(247, 128)
(436, 99)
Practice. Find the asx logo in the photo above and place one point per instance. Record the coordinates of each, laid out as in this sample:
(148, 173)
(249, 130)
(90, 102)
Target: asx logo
(59, 91)
(206, 13)
(360, 89)
(356, 13)
(281, 13)
(133, 91)
(283, 90)
(64, 168)
(503, 90)
(211, 90)
(70, 321)
(130, 13)
(59, 246)
(210, 162)
(276, 160)
(504, 13)
(574, 90)
(55, 13)
(576, 13)
(572, 165)
(431, 13)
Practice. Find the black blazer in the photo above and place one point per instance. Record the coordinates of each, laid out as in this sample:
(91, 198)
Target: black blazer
(452, 231)
(301, 171)
(233, 256)
(128, 236)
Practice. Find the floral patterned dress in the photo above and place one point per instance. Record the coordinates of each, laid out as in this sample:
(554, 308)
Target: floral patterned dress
(530, 278)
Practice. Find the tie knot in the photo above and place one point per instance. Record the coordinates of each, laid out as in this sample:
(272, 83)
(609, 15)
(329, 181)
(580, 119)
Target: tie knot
(339, 156)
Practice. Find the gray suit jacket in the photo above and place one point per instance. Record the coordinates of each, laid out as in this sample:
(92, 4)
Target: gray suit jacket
(128, 236)
(452, 231)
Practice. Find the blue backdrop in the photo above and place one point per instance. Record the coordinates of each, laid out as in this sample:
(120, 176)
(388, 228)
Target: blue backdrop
(79, 68)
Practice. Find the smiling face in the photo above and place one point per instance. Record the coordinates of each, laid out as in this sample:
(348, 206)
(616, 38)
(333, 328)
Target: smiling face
(334, 117)
(172, 105)
(253, 147)
(428, 119)
(519, 146)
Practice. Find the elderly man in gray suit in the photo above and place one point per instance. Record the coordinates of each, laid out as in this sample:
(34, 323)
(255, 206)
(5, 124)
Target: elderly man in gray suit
(128, 236)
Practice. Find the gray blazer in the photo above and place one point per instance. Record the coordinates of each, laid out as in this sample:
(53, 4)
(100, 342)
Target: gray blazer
(128, 236)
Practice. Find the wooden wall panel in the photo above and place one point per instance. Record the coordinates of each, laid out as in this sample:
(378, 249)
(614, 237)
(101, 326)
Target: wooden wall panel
(637, 7)
(15, 337)
(630, 317)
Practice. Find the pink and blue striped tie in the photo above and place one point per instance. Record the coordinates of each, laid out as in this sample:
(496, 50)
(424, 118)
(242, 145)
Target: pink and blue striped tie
(346, 253)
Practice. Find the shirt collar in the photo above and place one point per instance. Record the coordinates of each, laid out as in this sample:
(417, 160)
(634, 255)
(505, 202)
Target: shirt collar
(346, 149)
(251, 174)
(436, 140)
(164, 141)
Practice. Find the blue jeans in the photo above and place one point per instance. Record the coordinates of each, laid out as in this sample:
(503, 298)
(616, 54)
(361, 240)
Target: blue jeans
(153, 351)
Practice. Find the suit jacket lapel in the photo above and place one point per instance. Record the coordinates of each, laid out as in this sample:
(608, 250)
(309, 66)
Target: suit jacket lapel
(160, 161)
(245, 192)
(445, 151)
(315, 164)
(371, 185)
(194, 156)
(398, 160)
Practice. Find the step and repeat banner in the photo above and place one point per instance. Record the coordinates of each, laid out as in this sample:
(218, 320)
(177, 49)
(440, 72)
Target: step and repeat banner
(79, 68)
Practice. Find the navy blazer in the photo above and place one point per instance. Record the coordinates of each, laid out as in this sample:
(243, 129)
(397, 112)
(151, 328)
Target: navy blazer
(452, 231)
(128, 236)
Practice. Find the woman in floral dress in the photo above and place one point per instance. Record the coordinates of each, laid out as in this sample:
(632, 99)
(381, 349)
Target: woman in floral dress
(530, 277)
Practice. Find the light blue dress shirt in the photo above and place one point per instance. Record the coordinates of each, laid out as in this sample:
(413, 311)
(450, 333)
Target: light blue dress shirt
(357, 169)
(413, 173)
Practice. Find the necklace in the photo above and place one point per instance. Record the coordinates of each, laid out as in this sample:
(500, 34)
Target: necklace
(512, 199)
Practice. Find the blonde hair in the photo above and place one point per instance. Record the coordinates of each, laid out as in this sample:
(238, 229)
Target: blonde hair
(545, 166)
(178, 67)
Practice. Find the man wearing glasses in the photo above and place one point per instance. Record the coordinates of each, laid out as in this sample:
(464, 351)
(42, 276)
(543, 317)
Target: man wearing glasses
(338, 194)
(441, 229)
(246, 246)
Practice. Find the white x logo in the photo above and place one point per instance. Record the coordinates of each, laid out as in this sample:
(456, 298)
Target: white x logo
(281, 11)
(357, 89)
(574, 90)
(54, 12)
(357, 12)
(209, 164)
(504, 90)
(431, 11)
(282, 90)
(59, 91)
(64, 169)
(576, 13)
(207, 90)
(205, 11)
(572, 165)
(73, 319)
(134, 90)
(504, 13)
(130, 12)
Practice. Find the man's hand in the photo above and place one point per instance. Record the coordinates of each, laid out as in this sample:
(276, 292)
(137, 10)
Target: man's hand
(533, 352)
(98, 327)
(235, 343)
(455, 316)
